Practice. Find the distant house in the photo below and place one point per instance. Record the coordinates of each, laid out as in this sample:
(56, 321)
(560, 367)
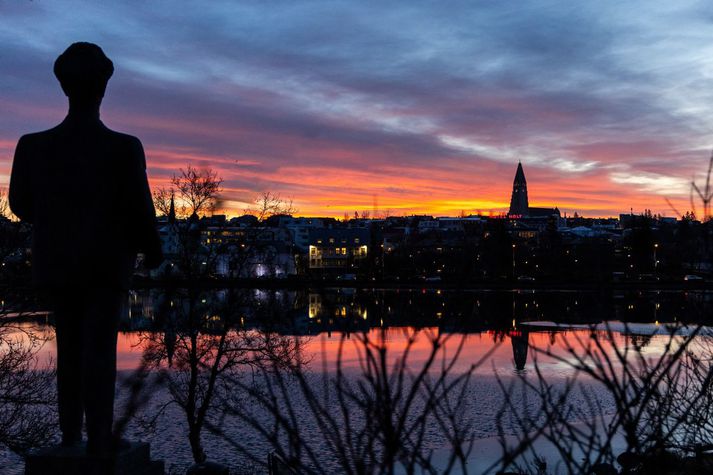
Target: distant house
(244, 221)
(523, 230)
(393, 238)
(300, 229)
(425, 225)
(272, 259)
(337, 248)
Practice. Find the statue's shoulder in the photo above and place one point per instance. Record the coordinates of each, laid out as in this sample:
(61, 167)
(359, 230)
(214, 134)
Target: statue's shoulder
(38, 137)
(129, 147)
(124, 139)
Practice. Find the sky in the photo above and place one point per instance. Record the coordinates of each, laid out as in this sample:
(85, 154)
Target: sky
(399, 107)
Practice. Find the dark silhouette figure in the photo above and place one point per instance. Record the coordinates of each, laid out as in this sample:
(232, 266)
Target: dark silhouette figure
(84, 189)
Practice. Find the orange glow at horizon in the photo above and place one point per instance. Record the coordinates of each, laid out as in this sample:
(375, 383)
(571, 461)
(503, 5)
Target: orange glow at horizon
(319, 190)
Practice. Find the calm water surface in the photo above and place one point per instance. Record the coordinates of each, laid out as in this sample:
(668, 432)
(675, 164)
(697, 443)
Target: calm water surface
(502, 332)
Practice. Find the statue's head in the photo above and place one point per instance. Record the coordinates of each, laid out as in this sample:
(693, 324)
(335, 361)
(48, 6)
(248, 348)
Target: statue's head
(83, 71)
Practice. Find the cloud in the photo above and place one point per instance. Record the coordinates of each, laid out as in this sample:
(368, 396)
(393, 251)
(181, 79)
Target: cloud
(653, 183)
(424, 104)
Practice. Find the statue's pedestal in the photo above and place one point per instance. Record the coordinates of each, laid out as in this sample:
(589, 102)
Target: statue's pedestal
(132, 460)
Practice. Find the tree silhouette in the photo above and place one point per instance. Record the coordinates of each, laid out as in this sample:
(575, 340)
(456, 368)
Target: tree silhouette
(197, 189)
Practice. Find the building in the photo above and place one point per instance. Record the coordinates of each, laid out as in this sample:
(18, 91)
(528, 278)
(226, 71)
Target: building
(519, 203)
(337, 248)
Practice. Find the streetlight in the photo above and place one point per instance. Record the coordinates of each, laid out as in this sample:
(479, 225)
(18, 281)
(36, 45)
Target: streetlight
(513, 261)
(656, 262)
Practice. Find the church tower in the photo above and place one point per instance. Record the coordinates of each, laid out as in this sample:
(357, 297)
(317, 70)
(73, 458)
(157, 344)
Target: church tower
(172, 211)
(519, 205)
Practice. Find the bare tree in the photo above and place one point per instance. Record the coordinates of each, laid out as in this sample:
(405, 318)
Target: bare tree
(704, 193)
(270, 204)
(162, 197)
(197, 189)
(4, 204)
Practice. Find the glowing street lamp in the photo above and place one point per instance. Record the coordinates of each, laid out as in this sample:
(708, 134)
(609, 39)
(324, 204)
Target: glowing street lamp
(656, 262)
(513, 261)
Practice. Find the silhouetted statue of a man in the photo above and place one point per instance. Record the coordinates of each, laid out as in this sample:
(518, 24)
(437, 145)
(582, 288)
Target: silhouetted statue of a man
(84, 189)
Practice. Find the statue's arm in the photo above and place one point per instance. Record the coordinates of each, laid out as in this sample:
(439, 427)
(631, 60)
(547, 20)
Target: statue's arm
(144, 212)
(21, 192)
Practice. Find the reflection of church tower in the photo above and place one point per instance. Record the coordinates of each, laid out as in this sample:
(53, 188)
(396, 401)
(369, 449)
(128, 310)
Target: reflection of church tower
(519, 205)
(520, 346)
(169, 339)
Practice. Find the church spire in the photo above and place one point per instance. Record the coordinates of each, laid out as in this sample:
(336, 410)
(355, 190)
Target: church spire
(520, 175)
(172, 211)
(519, 205)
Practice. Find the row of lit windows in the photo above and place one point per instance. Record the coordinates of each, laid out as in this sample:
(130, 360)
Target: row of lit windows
(337, 250)
(343, 241)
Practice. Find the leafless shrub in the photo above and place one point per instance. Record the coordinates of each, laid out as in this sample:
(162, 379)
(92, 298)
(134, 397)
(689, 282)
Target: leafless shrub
(655, 407)
(27, 389)
(200, 359)
(704, 193)
(381, 416)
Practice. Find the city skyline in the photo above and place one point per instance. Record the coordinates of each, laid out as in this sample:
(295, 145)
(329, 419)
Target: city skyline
(416, 109)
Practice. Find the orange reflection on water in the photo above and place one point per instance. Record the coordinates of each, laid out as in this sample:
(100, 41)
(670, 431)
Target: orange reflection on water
(493, 351)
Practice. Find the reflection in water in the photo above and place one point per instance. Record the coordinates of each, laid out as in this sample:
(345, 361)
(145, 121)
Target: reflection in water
(519, 340)
(485, 316)
(316, 311)
(185, 331)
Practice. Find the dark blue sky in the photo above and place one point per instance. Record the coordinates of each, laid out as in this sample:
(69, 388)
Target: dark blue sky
(421, 106)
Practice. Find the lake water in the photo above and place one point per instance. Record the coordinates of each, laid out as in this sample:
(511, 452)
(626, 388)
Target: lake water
(511, 337)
